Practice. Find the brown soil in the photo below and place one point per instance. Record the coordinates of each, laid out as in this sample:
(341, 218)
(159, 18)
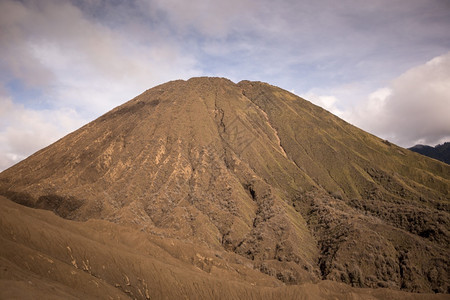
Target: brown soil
(205, 188)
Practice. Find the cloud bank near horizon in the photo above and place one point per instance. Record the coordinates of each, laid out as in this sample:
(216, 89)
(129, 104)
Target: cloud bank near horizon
(413, 109)
(66, 62)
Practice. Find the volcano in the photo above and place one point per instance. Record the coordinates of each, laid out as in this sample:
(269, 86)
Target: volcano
(210, 189)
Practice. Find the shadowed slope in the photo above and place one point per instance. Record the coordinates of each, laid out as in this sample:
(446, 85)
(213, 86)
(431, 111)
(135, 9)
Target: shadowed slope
(439, 152)
(253, 170)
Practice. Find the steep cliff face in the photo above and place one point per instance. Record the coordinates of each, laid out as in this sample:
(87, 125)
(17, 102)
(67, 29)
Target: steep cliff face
(252, 170)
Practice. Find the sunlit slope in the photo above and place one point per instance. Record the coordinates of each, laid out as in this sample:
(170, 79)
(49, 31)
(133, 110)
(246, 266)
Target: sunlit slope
(252, 170)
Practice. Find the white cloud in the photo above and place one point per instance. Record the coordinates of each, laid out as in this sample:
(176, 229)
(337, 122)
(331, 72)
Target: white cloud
(24, 131)
(215, 19)
(414, 108)
(325, 101)
(79, 61)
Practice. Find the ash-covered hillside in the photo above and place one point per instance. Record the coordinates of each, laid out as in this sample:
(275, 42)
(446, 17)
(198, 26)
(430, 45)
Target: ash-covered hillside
(264, 188)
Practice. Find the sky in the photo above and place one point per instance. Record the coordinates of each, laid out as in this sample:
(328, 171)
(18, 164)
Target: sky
(381, 65)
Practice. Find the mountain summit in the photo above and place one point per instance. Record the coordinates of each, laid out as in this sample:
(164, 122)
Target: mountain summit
(262, 177)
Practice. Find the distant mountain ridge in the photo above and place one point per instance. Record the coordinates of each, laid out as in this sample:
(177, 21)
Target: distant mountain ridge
(440, 152)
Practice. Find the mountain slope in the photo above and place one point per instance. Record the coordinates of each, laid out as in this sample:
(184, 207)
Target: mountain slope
(42, 255)
(255, 171)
